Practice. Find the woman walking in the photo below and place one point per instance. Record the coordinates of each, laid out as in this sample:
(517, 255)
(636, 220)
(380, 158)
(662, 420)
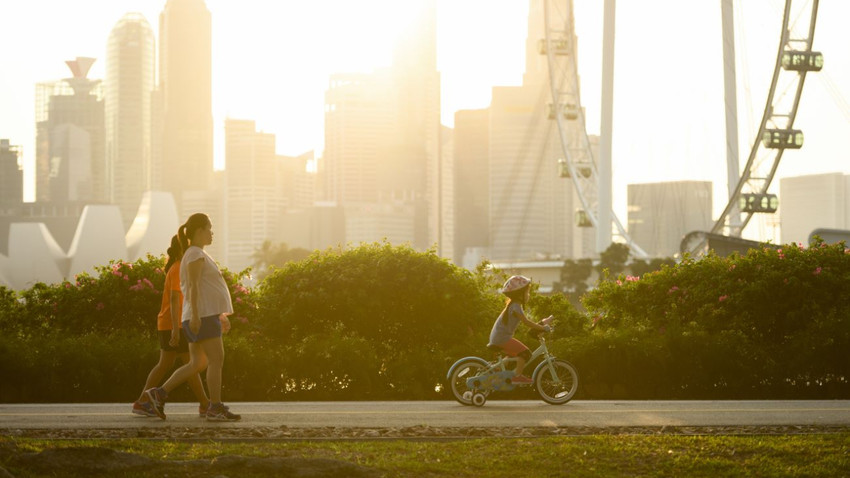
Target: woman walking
(172, 343)
(206, 305)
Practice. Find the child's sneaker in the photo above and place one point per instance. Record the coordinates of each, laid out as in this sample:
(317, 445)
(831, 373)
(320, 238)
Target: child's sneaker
(157, 398)
(144, 409)
(217, 412)
(521, 380)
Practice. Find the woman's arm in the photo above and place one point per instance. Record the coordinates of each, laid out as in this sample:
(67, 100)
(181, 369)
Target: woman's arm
(194, 280)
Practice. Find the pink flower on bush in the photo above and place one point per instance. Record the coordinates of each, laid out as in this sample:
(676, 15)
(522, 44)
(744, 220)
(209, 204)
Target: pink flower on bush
(732, 268)
(148, 282)
(126, 277)
(239, 300)
(817, 271)
(244, 320)
(67, 285)
(632, 278)
(619, 282)
(723, 298)
(673, 289)
(139, 286)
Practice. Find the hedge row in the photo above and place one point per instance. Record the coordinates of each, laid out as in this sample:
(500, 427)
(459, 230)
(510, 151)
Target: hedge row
(384, 322)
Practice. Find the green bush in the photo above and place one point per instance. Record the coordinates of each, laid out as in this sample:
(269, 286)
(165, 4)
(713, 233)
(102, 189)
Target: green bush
(372, 321)
(766, 324)
(384, 322)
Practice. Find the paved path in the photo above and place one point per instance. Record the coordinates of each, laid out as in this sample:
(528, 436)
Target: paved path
(442, 414)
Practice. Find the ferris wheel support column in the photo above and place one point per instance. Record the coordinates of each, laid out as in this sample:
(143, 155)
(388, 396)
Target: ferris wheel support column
(733, 169)
(603, 226)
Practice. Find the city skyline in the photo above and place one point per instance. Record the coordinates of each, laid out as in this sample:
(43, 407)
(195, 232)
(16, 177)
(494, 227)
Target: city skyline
(688, 125)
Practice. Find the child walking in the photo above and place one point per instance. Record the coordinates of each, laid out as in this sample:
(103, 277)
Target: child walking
(517, 289)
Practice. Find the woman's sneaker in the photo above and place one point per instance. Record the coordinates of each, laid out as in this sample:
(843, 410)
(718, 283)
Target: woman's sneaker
(157, 397)
(144, 409)
(217, 412)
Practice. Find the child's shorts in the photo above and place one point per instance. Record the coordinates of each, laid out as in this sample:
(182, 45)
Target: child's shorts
(513, 347)
(210, 329)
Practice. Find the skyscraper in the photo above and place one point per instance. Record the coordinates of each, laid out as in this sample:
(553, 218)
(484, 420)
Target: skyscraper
(816, 201)
(70, 164)
(185, 88)
(660, 214)
(531, 207)
(472, 181)
(254, 197)
(383, 139)
(130, 77)
(11, 175)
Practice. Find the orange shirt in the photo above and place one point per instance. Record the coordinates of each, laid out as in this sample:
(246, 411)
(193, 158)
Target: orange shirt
(172, 286)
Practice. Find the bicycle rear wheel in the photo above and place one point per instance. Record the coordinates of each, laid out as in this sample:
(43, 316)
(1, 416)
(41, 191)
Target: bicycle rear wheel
(460, 372)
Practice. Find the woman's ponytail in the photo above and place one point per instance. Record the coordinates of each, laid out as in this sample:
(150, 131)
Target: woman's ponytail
(175, 252)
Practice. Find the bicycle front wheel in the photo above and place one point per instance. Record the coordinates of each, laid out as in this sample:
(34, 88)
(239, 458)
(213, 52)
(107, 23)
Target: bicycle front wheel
(556, 382)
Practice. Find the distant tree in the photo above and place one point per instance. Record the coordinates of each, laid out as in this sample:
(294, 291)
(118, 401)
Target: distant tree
(574, 275)
(639, 267)
(613, 259)
(270, 256)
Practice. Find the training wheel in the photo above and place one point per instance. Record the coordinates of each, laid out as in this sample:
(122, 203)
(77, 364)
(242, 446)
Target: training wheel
(479, 399)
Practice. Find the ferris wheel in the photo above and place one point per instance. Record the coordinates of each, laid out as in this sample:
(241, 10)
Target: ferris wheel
(577, 160)
(776, 133)
(794, 59)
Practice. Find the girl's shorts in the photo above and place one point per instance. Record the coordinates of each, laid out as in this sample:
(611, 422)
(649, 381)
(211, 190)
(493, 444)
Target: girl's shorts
(513, 347)
(210, 329)
(165, 338)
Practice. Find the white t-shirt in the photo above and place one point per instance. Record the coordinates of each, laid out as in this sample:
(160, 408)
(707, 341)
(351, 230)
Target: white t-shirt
(213, 295)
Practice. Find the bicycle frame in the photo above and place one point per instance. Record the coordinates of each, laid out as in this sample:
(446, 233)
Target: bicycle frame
(499, 365)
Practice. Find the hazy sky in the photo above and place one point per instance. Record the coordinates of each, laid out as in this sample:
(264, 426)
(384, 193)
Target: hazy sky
(271, 60)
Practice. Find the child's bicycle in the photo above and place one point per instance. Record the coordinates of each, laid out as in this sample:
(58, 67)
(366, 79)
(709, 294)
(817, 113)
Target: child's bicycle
(472, 379)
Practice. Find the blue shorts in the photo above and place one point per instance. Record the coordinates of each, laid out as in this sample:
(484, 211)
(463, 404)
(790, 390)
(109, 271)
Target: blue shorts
(210, 329)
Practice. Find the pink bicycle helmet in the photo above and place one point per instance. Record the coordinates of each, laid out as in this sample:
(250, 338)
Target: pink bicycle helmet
(515, 283)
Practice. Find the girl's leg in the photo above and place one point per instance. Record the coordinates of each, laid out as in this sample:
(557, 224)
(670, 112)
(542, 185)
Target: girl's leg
(195, 384)
(197, 363)
(166, 361)
(214, 350)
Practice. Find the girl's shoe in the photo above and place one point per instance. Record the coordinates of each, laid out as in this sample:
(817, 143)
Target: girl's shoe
(521, 380)
(202, 411)
(144, 409)
(217, 412)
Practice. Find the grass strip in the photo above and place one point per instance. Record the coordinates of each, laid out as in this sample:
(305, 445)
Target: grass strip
(826, 455)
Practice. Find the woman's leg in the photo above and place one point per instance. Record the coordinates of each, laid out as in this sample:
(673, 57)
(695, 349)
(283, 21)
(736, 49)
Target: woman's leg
(195, 384)
(166, 361)
(197, 363)
(214, 350)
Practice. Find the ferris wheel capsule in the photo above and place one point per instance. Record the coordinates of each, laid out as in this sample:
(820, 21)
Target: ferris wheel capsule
(782, 139)
(802, 60)
(568, 110)
(560, 46)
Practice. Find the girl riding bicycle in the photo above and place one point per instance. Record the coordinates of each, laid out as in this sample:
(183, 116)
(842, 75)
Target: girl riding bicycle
(517, 289)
